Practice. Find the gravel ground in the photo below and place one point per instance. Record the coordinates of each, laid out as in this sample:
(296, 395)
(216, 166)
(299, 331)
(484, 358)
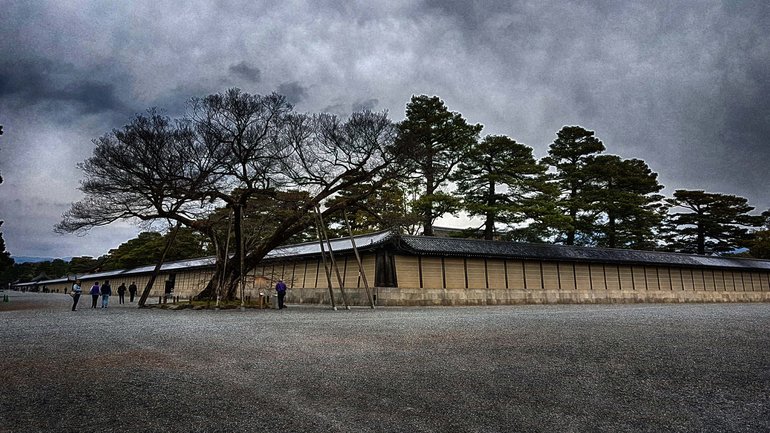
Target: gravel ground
(553, 368)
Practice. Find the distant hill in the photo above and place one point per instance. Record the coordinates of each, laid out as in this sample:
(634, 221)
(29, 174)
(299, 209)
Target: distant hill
(27, 259)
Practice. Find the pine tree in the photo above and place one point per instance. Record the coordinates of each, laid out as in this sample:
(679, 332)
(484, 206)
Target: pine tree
(624, 193)
(758, 242)
(500, 181)
(433, 141)
(569, 154)
(6, 262)
(710, 223)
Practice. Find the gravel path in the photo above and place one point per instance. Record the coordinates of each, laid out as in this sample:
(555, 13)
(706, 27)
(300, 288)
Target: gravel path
(555, 368)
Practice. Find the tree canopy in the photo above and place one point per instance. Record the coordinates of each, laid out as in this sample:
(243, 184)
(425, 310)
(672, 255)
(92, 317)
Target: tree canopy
(387, 208)
(245, 173)
(759, 241)
(434, 140)
(232, 149)
(6, 262)
(570, 155)
(624, 195)
(500, 181)
(710, 223)
(147, 247)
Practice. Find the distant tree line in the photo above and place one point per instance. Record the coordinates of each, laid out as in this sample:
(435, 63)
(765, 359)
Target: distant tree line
(143, 250)
(245, 173)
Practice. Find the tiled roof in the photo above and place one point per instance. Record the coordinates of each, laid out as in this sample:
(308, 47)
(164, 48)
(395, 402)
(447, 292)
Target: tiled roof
(423, 245)
(439, 246)
(340, 245)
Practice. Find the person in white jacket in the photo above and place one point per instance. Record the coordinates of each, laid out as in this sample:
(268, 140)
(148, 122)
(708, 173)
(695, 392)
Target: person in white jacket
(76, 290)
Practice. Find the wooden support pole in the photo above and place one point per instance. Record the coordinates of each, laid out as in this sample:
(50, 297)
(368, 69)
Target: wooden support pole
(358, 259)
(242, 254)
(327, 272)
(148, 287)
(334, 263)
(226, 258)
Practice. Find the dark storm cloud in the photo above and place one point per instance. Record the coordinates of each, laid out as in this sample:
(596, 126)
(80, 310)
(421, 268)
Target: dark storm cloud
(682, 85)
(293, 91)
(44, 81)
(246, 71)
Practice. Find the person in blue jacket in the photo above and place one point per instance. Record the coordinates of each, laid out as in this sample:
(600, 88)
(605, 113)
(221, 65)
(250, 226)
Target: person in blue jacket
(94, 294)
(281, 289)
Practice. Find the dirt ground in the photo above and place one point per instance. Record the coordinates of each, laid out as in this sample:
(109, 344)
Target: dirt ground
(552, 368)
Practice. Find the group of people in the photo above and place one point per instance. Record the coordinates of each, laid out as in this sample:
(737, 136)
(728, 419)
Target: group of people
(105, 291)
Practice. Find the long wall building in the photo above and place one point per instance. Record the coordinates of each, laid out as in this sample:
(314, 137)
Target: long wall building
(417, 270)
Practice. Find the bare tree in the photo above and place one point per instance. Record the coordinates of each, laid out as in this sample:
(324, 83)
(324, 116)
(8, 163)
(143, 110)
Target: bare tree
(249, 154)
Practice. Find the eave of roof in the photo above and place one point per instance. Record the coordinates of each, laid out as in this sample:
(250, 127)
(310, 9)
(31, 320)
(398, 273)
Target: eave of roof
(296, 251)
(339, 245)
(423, 245)
(439, 246)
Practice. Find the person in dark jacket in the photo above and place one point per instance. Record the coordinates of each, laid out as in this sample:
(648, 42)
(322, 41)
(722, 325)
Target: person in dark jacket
(94, 294)
(106, 292)
(280, 288)
(122, 293)
(132, 291)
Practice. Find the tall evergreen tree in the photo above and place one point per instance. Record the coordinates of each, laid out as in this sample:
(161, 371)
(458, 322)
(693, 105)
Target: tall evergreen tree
(569, 155)
(625, 195)
(710, 223)
(758, 242)
(6, 262)
(501, 182)
(434, 141)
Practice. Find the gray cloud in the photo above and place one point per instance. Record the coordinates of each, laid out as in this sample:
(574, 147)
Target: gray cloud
(43, 81)
(246, 71)
(366, 104)
(682, 85)
(293, 91)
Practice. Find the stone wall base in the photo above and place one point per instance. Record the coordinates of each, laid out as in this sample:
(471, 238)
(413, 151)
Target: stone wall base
(392, 296)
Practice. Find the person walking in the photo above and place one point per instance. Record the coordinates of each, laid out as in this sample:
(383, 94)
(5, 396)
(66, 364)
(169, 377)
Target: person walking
(76, 290)
(122, 293)
(106, 292)
(281, 289)
(94, 294)
(132, 291)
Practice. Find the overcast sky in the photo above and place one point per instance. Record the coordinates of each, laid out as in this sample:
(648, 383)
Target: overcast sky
(684, 85)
